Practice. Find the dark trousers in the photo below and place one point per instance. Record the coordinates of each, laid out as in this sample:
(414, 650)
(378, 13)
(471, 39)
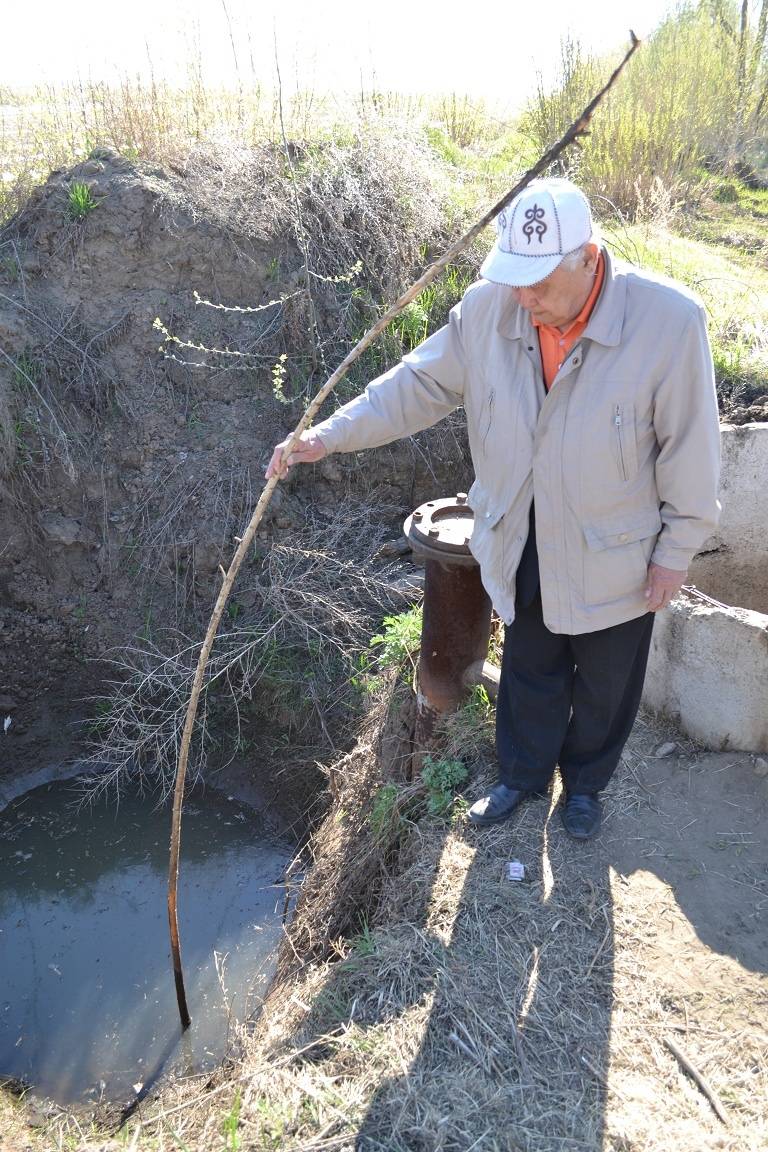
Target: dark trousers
(567, 700)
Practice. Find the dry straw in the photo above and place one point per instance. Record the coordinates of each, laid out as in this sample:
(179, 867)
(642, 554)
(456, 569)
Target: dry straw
(578, 129)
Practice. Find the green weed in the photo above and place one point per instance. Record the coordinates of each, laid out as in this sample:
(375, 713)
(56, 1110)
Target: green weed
(273, 1118)
(442, 777)
(80, 202)
(446, 149)
(429, 311)
(26, 427)
(10, 268)
(726, 192)
(21, 434)
(412, 325)
(467, 733)
(364, 944)
(333, 1005)
(362, 676)
(383, 815)
(25, 372)
(231, 1123)
(99, 721)
(146, 631)
(399, 639)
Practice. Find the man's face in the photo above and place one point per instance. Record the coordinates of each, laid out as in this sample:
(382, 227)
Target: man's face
(559, 299)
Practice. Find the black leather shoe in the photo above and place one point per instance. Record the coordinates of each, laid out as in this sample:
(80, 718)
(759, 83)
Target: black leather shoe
(582, 814)
(500, 803)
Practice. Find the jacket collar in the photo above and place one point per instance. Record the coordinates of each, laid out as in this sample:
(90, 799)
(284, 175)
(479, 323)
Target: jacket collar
(604, 326)
(607, 320)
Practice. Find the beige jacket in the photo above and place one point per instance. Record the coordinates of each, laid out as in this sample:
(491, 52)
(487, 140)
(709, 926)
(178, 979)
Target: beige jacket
(622, 454)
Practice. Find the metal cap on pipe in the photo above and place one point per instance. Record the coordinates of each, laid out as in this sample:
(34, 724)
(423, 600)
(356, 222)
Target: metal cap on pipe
(441, 530)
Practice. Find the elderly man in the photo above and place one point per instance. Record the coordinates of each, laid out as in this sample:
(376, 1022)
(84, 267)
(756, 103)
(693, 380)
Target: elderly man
(589, 394)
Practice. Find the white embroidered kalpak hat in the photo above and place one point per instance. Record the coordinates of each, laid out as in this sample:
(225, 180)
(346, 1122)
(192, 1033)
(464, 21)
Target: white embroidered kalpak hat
(547, 221)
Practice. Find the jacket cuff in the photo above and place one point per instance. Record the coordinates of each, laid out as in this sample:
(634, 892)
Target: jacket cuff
(668, 556)
(325, 436)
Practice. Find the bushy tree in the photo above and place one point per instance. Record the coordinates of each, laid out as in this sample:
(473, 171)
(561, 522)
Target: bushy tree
(696, 94)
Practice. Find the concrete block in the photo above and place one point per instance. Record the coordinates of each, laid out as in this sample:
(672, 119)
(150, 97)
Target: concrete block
(708, 670)
(733, 564)
(708, 667)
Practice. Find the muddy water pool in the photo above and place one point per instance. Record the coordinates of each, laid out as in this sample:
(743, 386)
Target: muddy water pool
(87, 1002)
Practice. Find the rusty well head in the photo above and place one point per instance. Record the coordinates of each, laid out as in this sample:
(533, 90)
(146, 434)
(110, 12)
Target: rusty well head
(441, 530)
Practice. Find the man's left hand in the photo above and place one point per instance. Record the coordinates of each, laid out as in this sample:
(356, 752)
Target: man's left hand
(662, 585)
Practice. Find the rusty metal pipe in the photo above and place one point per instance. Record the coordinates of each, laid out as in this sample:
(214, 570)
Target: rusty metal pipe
(457, 610)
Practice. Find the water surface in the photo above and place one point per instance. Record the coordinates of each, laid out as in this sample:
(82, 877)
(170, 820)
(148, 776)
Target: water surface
(87, 1000)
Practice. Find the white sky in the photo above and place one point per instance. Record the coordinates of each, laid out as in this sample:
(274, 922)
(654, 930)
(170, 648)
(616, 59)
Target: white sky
(482, 47)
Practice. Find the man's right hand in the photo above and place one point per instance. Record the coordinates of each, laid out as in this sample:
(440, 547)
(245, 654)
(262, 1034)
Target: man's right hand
(308, 449)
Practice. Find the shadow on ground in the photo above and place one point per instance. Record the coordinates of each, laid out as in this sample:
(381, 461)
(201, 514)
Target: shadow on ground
(535, 1016)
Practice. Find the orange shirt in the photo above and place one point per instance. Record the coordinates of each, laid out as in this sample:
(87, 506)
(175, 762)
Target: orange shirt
(554, 344)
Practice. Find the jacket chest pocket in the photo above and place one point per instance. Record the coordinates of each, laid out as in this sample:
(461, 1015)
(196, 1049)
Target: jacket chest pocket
(625, 440)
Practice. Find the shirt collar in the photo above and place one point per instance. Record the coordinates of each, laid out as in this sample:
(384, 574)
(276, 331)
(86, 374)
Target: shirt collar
(604, 325)
(587, 307)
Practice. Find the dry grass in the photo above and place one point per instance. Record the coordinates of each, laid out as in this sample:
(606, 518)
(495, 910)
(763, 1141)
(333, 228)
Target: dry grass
(49, 128)
(485, 1014)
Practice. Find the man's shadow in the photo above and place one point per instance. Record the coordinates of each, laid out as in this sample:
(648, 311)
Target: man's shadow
(511, 1023)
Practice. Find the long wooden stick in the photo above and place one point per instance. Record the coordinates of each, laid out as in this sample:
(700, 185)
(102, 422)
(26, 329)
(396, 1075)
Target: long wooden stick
(577, 129)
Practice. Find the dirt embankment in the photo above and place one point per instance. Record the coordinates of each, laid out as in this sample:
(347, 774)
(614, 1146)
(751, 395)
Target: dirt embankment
(125, 472)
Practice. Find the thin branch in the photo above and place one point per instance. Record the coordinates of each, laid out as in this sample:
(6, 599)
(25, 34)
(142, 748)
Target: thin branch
(242, 308)
(701, 1081)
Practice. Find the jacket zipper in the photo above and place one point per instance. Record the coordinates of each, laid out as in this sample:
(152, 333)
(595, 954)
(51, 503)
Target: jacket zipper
(491, 396)
(617, 422)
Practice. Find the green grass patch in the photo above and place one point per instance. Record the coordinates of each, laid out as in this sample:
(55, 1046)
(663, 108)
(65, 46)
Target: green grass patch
(734, 290)
(231, 1124)
(732, 216)
(383, 815)
(80, 202)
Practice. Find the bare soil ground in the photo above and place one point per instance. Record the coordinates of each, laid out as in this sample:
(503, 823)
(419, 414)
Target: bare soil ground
(127, 470)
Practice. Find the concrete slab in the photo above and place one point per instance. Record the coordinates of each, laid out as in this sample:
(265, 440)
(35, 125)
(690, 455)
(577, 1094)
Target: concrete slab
(708, 666)
(708, 671)
(733, 565)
